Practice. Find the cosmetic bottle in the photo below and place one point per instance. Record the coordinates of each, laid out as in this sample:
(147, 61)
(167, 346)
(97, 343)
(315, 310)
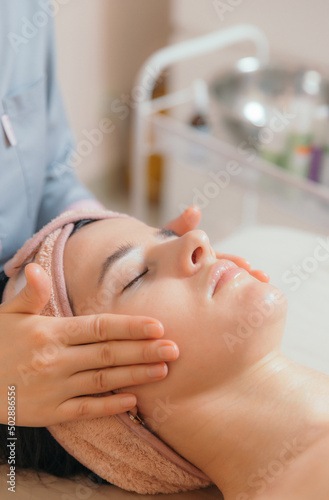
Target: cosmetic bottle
(301, 138)
(317, 148)
(320, 160)
(324, 172)
(200, 121)
(200, 116)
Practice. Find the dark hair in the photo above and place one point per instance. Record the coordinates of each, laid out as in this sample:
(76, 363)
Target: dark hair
(78, 225)
(3, 283)
(35, 447)
(83, 222)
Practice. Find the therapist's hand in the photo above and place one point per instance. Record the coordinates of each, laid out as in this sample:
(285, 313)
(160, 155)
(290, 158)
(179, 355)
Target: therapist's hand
(190, 219)
(186, 221)
(55, 363)
(245, 264)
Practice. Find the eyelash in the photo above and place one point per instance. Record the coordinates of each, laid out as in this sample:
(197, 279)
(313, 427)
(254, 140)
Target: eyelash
(168, 232)
(135, 280)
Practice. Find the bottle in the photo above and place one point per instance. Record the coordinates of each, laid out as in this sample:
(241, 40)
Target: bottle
(200, 117)
(324, 173)
(300, 160)
(275, 151)
(200, 120)
(155, 163)
(321, 131)
(301, 138)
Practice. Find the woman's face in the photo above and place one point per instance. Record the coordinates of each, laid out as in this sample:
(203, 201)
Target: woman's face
(123, 266)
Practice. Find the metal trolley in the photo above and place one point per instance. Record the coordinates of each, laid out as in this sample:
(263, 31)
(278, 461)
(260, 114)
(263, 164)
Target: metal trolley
(252, 191)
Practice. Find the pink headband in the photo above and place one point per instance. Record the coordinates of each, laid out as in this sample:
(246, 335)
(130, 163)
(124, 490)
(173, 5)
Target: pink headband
(116, 448)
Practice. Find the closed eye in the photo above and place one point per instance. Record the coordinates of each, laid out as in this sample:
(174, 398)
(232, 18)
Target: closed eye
(135, 280)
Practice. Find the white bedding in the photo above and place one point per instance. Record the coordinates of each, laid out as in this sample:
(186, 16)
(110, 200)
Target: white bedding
(276, 250)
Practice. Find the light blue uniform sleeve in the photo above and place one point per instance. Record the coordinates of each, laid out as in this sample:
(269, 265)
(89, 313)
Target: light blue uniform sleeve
(37, 175)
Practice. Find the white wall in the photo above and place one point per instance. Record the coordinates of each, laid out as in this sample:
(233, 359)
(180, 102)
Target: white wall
(296, 28)
(101, 44)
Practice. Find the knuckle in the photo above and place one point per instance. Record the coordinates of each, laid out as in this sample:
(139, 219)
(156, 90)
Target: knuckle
(82, 409)
(107, 356)
(132, 327)
(99, 328)
(42, 364)
(28, 298)
(147, 353)
(135, 375)
(39, 338)
(99, 380)
(71, 327)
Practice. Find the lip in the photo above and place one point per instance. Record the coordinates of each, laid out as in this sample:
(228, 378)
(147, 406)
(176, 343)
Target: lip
(221, 272)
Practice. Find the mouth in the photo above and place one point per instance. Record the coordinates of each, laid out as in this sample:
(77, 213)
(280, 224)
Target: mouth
(221, 272)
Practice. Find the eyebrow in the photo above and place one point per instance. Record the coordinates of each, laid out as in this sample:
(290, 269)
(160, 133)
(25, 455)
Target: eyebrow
(125, 249)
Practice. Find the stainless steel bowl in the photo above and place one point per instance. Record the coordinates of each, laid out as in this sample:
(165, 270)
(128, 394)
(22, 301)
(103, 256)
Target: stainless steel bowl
(249, 98)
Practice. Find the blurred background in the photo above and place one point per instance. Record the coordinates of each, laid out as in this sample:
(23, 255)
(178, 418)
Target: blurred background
(102, 43)
(100, 46)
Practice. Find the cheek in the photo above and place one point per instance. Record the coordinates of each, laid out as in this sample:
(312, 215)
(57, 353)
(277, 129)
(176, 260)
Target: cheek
(163, 301)
(260, 305)
(217, 339)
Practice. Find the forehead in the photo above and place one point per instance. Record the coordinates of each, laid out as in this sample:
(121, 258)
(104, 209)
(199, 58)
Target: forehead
(104, 236)
(86, 249)
(109, 230)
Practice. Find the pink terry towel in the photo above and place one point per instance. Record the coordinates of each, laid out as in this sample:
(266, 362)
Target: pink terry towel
(116, 448)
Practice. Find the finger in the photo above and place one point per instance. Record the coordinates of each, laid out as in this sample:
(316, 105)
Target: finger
(102, 327)
(34, 296)
(94, 407)
(239, 261)
(187, 221)
(118, 353)
(245, 264)
(110, 379)
(260, 275)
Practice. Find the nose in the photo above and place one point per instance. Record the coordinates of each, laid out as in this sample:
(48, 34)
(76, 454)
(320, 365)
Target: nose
(193, 251)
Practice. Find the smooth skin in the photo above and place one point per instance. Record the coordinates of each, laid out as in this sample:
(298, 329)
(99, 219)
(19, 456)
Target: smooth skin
(255, 421)
(36, 352)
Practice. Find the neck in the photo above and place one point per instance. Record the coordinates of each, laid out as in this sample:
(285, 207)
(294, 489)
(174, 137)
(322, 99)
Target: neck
(245, 436)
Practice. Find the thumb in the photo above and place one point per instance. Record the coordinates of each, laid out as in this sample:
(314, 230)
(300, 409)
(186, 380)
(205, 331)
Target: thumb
(34, 296)
(187, 221)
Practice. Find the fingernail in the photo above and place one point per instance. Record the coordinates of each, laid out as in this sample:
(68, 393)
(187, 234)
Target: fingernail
(157, 371)
(194, 210)
(168, 352)
(128, 402)
(153, 330)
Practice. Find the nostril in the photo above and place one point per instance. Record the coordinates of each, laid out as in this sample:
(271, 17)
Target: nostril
(196, 254)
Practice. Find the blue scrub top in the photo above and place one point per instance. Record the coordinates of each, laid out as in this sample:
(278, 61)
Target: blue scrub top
(37, 181)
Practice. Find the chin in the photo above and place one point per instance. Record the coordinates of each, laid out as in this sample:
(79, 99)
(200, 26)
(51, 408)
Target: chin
(261, 311)
(264, 298)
